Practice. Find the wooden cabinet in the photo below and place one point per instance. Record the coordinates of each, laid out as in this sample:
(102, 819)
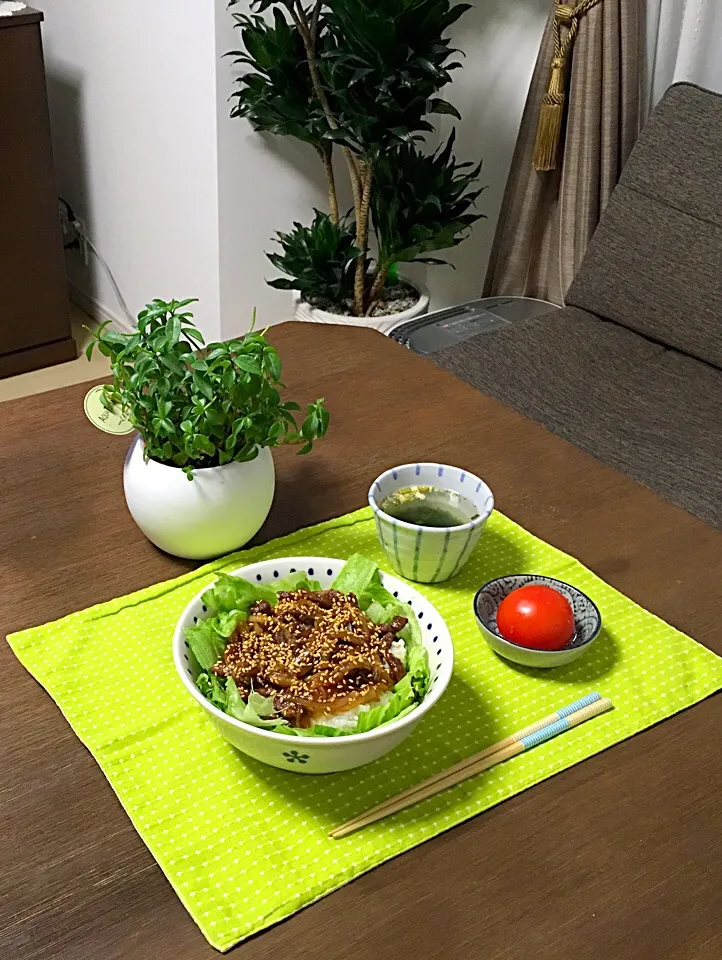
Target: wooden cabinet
(34, 319)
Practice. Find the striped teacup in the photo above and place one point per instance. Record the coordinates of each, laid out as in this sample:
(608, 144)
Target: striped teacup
(429, 554)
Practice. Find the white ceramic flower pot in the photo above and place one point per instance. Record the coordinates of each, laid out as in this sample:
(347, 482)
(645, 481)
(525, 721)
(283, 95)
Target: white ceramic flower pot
(215, 513)
(385, 324)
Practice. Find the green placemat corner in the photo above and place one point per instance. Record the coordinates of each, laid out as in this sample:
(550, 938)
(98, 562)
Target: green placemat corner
(246, 845)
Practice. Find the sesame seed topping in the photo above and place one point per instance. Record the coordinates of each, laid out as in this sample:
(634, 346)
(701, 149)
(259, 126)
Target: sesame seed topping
(316, 653)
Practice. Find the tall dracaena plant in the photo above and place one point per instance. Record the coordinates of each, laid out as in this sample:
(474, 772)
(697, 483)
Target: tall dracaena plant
(364, 75)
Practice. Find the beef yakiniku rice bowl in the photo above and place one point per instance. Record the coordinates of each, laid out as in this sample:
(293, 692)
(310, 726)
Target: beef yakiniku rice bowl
(297, 659)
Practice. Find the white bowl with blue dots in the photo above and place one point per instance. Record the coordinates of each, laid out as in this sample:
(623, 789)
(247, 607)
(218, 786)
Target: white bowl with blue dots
(320, 754)
(429, 554)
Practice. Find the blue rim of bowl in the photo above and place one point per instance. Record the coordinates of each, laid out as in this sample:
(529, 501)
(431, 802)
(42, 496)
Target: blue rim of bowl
(375, 506)
(541, 576)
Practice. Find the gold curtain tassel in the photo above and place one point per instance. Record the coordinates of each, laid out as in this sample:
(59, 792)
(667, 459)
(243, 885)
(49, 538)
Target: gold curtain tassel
(548, 131)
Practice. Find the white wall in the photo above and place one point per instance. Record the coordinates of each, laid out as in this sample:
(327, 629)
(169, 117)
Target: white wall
(264, 184)
(133, 107)
(183, 201)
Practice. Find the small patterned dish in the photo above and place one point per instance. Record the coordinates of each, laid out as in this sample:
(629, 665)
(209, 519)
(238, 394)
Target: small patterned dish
(586, 617)
(429, 554)
(320, 754)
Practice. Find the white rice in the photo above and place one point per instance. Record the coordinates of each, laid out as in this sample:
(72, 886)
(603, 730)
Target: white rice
(349, 719)
(398, 648)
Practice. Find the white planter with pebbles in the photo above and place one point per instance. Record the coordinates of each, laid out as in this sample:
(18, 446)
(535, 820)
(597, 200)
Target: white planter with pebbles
(384, 323)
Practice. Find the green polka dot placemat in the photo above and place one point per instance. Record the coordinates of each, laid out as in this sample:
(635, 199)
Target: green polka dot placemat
(245, 845)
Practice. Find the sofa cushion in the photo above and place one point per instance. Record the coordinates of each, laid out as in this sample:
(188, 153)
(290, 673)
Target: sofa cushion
(648, 411)
(655, 262)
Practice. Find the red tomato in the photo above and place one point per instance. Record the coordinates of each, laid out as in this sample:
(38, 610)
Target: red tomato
(536, 616)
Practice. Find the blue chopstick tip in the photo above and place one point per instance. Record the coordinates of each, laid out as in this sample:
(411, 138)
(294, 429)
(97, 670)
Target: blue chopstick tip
(546, 733)
(578, 705)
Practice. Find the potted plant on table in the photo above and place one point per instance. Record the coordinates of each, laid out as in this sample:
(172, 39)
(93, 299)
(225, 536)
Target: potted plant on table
(361, 77)
(205, 414)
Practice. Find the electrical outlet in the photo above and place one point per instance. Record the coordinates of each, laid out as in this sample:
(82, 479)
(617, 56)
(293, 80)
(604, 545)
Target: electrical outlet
(82, 234)
(68, 229)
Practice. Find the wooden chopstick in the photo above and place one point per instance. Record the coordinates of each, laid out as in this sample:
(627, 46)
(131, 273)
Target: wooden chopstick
(517, 743)
(476, 757)
(482, 755)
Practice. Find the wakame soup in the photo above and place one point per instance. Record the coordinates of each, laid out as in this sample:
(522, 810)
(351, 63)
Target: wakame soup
(429, 507)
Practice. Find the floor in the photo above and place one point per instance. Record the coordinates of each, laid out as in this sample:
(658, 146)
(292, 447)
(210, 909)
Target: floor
(63, 374)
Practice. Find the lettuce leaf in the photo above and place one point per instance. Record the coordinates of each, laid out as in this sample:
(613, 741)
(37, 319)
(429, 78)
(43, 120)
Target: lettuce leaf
(376, 591)
(206, 643)
(297, 581)
(211, 688)
(356, 576)
(235, 595)
(377, 612)
(258, 711)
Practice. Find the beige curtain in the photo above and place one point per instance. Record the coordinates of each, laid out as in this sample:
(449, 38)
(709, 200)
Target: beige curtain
(547, 218)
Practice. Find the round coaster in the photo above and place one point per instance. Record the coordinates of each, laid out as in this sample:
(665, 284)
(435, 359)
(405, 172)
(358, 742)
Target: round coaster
(105, 420)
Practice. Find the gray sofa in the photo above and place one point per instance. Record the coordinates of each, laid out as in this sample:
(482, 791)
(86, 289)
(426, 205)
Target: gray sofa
(630, 370)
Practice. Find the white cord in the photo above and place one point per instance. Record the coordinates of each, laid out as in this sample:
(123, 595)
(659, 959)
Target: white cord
(86, 242)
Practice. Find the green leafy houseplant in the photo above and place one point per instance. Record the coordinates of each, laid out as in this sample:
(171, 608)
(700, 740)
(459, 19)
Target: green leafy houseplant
(362, 76)
(196, 405)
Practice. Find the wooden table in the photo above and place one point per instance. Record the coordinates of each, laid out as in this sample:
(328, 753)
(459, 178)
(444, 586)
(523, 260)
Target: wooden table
(618, 858)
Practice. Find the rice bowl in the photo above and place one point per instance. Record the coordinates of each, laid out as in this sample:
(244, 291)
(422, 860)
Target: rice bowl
(350, 737)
